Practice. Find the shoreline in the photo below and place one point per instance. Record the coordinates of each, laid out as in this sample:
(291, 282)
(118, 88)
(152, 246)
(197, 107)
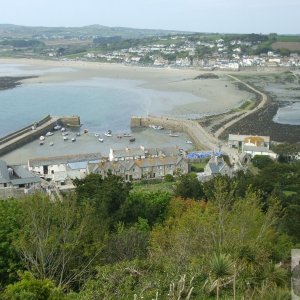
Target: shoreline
(220, 95)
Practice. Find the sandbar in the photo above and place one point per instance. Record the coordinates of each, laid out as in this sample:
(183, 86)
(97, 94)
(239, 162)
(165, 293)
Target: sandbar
(216, 95)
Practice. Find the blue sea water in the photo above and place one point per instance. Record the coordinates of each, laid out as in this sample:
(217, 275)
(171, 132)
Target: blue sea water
(288, 114)
(101, 103)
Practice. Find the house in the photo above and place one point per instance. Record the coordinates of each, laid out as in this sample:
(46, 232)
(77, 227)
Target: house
(215, 166)
(238, 141)
(16, 180)
(255, 150)
(62, 169)
(137, 169)
(142, 153)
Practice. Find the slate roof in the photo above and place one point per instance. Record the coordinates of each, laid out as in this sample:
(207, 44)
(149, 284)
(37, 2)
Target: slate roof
(56, 160)
(4, 175)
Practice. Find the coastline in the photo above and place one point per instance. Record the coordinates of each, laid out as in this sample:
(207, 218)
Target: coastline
(215, 95)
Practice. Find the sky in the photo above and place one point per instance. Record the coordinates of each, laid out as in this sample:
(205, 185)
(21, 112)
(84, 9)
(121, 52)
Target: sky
(223, 16)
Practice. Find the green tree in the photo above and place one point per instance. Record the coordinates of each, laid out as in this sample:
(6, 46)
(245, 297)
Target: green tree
(30, 288)
(10, 262)
(106, 196)
(58, 240)
(188, 186)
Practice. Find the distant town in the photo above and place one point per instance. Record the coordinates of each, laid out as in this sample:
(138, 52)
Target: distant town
(156, 49)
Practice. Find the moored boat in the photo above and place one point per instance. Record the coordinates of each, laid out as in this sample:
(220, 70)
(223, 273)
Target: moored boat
(101, 140)
(132, 140)
(49, 133)
(73, 139)
(65, 138)
(57, 127)
(42, 138)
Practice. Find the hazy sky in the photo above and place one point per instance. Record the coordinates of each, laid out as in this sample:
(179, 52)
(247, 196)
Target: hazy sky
(236, 16)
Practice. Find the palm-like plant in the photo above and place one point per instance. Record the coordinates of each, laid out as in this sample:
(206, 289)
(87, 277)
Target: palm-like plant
(222, 272)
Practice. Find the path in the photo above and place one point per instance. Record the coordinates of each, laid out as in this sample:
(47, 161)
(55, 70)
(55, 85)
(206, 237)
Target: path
(262, 103)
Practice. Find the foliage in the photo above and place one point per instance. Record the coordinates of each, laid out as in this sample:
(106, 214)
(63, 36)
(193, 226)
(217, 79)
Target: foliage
(57, 240)
(106, 196)
(188, 186)
(30, 288)
(150, 206)
(10, 213)
(262, 161)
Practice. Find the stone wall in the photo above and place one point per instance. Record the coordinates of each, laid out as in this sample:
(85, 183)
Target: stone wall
(192, 128)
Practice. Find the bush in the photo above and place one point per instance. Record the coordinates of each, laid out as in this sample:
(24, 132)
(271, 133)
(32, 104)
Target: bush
(169, 178)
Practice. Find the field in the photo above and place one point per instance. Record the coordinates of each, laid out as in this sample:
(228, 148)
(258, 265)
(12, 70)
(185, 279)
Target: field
(292, 46)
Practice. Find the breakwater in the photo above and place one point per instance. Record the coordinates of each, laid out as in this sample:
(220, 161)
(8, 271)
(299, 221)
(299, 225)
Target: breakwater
(27, 134)
(201, 139)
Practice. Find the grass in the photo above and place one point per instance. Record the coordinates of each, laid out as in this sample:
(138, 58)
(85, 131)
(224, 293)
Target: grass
(153, 187)
(288, 38)
(247, 105)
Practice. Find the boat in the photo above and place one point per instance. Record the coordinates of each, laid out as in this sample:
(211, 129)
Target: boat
(126, 135)
(101, 140)
(73, 139)
(63, 129)
(96, 134)
(132, 140)
(41, 143)
(188, 142)
(42, 138)
(85, 131)
(51, 144)
(65, 138)
(57, 127)
(78, 134)
(49, 133)
(108, 133)
(65, 133)
(173, 135)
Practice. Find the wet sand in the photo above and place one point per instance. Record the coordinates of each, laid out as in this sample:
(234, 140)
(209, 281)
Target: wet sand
(219, 95)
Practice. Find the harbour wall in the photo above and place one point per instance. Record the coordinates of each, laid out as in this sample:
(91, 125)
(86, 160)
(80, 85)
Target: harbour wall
(192, 128)
(26, 135)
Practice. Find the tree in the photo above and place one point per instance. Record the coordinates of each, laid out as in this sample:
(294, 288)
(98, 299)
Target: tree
(30, 288)
(188, 186)
(10, 262)
(106, 196)
(58, 240)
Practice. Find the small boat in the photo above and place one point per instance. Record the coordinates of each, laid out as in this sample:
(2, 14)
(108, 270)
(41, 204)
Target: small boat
(63, 129)
(96, 134)
(65, 133)
(132, 140)
(73, 139)
(85, 131)
(65, 138)
(108, 133)
(119, 136)
(126, 135)
(188, 142)
(78, 134)
(41, 143)
(57, 127)
(173, 135)
(49, 133)
(51, 144)
(42, 138)
(101, 140)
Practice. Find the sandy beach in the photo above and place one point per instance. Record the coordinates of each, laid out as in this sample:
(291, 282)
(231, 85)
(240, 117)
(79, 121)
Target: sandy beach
(218, 94)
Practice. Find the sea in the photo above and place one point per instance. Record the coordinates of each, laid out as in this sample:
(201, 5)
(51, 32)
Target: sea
(102, 104)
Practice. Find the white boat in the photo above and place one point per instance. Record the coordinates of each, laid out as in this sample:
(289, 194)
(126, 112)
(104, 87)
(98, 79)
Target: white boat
(42, 138)
(78, 134)
(51, 144)
(96, 134)
(65, 133)
(188, 142)
(63, 129)
(126, 135)
(173, 135)
(73, 139)
(65, 138)
(101, 140)
(49, 133)
(57, 127)
(108, 133)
